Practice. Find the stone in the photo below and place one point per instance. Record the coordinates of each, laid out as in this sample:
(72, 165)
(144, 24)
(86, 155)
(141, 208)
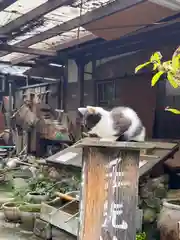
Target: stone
(60, 234)
(42, 229)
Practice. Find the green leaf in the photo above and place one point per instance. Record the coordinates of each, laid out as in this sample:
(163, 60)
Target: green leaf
(171, 80)
(155, 66)
(176, 62)
(141, 66)
(173, 110)
(156, 78)
(156, 57)
(167, 66)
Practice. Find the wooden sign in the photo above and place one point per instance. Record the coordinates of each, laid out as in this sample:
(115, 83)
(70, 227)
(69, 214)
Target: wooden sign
(109, 190)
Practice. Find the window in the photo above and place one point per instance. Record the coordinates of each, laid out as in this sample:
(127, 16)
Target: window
(105, 92)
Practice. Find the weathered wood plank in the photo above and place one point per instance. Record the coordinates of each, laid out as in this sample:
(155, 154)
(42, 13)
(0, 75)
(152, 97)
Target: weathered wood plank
(163, 156)
(93, 195)
(72, 156)
(33, 51)
(94, 142)
(109, 194)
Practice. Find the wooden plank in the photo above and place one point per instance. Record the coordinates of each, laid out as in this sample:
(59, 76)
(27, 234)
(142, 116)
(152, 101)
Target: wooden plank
(58, 47)
(91, 37)
(108, 208)
(33, 51)
(145, 29)
(94, 142)
(78, 21)
(81, 20)
(6, 3)
(163, 156)
(164, 39)
(19, 64)
(59, 217)
(162, 152)
(32, 15)
(164, 145)
(135, 34)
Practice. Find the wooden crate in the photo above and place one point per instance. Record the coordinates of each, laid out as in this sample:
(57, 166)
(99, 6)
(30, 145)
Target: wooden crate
(59, 217)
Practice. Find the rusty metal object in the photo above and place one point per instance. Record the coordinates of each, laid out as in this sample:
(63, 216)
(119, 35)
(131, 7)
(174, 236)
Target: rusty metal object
(65, 196)
(26, 118)
(41, 121)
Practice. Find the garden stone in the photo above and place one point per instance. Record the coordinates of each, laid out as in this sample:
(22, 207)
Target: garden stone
(20, 183)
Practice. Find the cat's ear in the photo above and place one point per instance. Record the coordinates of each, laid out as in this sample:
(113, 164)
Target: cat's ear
(91, 110)
(96, 110)
(82, 110)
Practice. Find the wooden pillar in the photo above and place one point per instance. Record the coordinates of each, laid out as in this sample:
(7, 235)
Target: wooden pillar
(81, 65)
(109, 189)
(65, 86)
(94, 63)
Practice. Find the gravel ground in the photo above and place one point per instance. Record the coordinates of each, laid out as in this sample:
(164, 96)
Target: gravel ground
(10, 231)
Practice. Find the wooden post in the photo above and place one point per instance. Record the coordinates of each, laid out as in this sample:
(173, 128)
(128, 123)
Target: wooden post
(109, 189)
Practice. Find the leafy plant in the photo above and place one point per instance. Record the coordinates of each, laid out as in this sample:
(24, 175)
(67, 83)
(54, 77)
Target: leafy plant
(30, 208)
(44, 185)
(170, 68)
(141, 236)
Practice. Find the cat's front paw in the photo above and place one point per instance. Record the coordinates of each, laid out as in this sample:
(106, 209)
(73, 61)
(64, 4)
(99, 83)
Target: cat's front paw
(93, 135)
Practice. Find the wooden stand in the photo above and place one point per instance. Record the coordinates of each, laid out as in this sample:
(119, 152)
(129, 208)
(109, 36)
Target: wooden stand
(109, 189)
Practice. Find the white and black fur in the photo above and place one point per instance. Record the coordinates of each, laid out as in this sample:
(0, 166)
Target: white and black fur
(120, 122)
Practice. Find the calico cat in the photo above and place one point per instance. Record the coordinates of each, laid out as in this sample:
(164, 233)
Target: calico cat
(120, 122)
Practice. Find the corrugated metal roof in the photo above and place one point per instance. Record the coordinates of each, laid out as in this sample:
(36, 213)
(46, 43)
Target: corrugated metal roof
(65, 10)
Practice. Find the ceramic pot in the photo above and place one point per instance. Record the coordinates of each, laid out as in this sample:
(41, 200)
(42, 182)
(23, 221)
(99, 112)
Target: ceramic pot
(35, 197)
(28, 213)
(27, 220)
(11, 211)
(168, 220)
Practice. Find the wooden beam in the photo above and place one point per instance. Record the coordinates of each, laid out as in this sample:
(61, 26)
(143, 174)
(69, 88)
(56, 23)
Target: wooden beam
(76, 22)
(18, 65)
(90, 37)
(123, 45)
(136, 36)
(60, 47)
(6, 3)
(93, 37)
(32, 15)
(80, 21)
(146, 44)
(130, 39)
(33, 51)
(36, 78)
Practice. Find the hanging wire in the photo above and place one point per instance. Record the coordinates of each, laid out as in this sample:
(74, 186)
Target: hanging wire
(79, 28)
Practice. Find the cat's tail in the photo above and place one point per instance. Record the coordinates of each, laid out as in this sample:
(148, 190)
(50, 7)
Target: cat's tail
(141, 136)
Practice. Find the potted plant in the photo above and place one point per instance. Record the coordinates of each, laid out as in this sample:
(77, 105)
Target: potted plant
(11, 211)
(36, 197)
